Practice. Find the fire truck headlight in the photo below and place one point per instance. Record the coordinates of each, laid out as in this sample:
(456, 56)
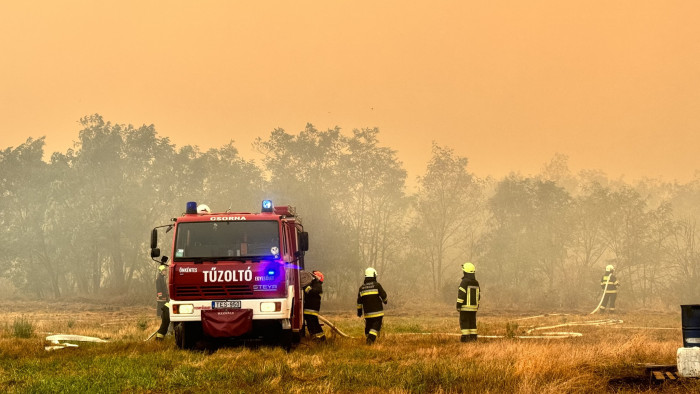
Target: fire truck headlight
(270, 306)
(184, 309)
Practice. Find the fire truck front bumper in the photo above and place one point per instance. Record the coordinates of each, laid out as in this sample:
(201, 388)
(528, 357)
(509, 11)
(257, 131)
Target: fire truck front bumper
(263, 309)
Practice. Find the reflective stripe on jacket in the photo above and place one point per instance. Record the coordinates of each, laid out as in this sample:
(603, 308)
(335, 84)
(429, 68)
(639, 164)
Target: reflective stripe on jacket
(370, 298)
(468, 294)
(312, 296)
(612, 285)
(161, 288)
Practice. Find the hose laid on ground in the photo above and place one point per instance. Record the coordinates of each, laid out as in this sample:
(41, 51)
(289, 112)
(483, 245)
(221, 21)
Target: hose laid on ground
(544, 335)
(333, 327)
(154, 333)
(603, 297)
(583, 323)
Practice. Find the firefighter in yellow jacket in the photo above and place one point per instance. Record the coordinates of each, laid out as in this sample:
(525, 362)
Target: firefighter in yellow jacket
(468, 303)
(610, 295)
(370, 298)
(162, 299)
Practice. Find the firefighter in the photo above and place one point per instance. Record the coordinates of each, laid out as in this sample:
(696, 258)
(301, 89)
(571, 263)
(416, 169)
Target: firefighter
(369, 299)
(162, 297)
(468, 303)
(611, 290)
(312, 305)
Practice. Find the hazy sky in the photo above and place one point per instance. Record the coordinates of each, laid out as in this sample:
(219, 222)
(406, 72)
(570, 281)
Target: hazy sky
(615, 85)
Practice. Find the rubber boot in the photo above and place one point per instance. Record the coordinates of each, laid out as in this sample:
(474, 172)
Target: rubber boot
(464, 338)
(473, 337)
(370, 339)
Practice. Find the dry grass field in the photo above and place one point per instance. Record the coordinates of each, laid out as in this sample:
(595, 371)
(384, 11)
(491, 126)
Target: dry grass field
(417, 352)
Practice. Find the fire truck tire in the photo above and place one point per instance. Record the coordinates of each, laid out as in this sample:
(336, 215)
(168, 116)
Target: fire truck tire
(286, 339)
(187, 334)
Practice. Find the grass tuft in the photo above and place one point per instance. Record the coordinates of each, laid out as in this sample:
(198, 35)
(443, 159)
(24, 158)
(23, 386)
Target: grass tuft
(22, 328)
(142, 324)
(511, 330)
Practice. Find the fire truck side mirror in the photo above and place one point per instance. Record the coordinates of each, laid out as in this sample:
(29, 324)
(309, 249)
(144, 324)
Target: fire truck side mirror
(154, 240)
(303, 241)
(155, 252)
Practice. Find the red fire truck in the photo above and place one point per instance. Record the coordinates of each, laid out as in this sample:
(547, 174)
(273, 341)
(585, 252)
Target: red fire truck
(235, 275)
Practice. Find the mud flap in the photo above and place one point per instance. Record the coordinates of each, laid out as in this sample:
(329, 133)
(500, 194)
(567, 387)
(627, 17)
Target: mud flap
(222, 323)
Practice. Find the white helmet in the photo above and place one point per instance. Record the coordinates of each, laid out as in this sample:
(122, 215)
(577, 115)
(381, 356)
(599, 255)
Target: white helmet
(370, 273)
(609, 267)
(203, 208)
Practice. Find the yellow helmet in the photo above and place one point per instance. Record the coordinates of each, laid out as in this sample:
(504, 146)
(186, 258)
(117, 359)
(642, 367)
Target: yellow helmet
(370, 273)
(609, 267)
(468, 268)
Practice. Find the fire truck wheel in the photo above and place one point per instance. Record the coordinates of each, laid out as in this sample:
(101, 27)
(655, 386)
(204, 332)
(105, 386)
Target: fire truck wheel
(187, 334)
(286, 339)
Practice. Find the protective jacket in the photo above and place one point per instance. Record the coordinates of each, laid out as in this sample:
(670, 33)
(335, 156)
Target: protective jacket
(370, 298)
(468, 295)
(162, 294)
(312, 297)
(162, 298)
(612, 284)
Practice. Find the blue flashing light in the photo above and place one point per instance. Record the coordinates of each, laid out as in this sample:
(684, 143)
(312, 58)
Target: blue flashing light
(270, 272)
(191, 207)
(267, 206)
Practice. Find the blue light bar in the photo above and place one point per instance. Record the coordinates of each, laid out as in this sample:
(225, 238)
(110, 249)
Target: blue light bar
(270, 272)
(191, 207)
(266, 206)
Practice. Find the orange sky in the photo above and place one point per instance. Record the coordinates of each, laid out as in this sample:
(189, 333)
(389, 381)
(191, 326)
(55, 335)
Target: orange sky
(615, 85)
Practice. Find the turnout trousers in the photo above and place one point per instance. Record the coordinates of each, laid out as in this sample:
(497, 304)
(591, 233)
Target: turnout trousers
(315, 330)
(608, 302)
(164, 322)
(372, 327)
(467, 323)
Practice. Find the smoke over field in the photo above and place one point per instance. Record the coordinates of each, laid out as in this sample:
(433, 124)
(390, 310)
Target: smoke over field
(78, 225)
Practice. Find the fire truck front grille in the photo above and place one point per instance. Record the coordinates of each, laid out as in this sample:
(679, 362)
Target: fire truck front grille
(211, 291)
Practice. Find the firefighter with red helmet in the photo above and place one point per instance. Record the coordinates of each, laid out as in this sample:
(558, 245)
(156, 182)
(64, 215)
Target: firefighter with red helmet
(312, 306)
(162, 298)
(468, 303)
(370, 298)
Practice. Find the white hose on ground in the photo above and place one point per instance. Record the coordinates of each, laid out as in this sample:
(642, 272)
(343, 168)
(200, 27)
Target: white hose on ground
(154, 333)
(584, 323)
(603, 297)
(544, 335)
(333, 327)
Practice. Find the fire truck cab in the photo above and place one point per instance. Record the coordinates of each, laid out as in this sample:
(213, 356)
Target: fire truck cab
(235, 275)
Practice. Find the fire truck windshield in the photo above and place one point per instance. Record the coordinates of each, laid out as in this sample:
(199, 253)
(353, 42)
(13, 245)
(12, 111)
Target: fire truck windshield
(226, 240)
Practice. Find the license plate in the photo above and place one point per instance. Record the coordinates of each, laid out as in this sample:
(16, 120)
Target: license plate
(225, 304)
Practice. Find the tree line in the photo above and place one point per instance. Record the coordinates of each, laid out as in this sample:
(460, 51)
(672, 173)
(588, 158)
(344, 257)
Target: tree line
(78, 225)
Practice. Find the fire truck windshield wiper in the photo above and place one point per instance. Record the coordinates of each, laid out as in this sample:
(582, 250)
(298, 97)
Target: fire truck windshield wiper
(200, 260)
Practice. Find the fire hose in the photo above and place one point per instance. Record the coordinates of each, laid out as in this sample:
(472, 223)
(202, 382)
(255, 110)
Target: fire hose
(333, 327)
(603, 297)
